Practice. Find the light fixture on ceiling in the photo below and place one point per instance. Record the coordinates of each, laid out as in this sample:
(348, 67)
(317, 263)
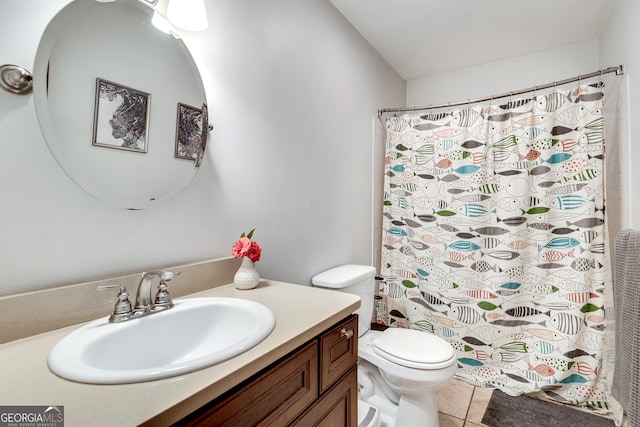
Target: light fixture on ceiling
(189, 15)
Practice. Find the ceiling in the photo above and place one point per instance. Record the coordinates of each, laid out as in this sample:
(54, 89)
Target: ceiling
(420, 38)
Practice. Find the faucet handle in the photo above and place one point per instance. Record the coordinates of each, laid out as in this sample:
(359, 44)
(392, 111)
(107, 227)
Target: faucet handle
(162, 299)
(123, 308)
(165, 275)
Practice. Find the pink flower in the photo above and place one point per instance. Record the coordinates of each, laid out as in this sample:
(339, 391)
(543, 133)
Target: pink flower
(254, 252)
(244, 246)
(240, 247)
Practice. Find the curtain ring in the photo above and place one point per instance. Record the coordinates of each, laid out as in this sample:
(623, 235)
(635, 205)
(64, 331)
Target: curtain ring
(600, 84)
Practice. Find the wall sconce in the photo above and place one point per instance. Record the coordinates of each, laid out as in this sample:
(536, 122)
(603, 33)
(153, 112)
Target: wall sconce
(190, 15)
(15, 79)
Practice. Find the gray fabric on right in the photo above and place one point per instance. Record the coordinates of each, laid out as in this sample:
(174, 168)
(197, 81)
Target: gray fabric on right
(626, 289)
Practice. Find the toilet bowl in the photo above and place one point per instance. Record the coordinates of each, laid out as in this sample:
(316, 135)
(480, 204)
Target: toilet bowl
(368, 416)
(399, 370)
(410, 376)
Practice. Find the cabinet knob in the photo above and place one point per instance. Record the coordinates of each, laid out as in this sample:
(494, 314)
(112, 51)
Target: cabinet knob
(346, 333)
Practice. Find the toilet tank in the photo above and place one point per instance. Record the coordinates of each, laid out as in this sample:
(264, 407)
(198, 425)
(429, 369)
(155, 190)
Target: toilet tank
(353, 279)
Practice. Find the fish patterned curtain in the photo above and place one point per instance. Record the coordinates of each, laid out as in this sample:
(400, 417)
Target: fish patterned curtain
(494, 239)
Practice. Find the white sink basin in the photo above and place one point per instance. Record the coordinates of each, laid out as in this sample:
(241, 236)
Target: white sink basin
(195, 334)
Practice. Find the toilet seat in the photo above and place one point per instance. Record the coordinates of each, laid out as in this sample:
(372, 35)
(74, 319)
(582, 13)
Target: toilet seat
(414, 349)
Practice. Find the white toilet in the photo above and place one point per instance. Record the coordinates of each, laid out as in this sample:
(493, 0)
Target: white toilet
(399, 370)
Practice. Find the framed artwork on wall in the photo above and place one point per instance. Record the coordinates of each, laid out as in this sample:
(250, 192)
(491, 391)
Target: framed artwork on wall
(121, 117)
(189, 133)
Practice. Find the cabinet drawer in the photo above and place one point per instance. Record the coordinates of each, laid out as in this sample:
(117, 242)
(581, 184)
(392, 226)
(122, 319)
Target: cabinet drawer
(338, 351)
(273, 398)
(336, 408)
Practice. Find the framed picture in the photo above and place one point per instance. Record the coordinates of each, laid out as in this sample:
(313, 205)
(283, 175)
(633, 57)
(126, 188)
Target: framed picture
(189, 133)
(121, 117)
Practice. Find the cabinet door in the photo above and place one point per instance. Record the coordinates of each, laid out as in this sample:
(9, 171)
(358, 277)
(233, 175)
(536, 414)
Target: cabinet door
(273, 398)
(338, 407)
(338, 351)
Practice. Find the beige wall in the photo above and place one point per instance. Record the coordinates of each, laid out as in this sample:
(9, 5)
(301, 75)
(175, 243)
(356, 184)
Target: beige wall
(292, 91)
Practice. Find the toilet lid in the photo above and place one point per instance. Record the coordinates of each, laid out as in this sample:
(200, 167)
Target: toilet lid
(413, 348)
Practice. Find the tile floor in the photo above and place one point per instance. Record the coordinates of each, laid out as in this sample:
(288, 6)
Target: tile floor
(463, 405)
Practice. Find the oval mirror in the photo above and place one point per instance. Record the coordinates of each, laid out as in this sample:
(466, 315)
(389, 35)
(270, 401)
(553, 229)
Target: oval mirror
(120, 103)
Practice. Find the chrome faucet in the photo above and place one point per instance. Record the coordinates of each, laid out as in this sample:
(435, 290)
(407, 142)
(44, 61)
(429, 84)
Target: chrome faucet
(143, 297)
(144, 305)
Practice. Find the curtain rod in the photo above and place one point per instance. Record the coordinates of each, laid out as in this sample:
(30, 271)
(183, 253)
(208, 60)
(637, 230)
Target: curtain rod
(619, 70)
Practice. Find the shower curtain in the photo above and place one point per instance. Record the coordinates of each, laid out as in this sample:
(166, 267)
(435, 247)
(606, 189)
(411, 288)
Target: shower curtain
(494, 239)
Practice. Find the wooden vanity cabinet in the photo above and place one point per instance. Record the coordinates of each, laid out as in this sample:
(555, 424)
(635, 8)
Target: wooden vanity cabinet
(338, 407)
(315, 385)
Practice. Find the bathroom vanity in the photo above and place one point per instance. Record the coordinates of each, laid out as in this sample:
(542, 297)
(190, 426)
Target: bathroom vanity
(304, 370)
(313, 385)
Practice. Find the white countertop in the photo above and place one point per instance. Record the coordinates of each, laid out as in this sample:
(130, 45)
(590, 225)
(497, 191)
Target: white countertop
(301, 313)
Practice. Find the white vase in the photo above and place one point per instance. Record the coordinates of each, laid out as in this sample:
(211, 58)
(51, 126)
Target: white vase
(247, 276)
